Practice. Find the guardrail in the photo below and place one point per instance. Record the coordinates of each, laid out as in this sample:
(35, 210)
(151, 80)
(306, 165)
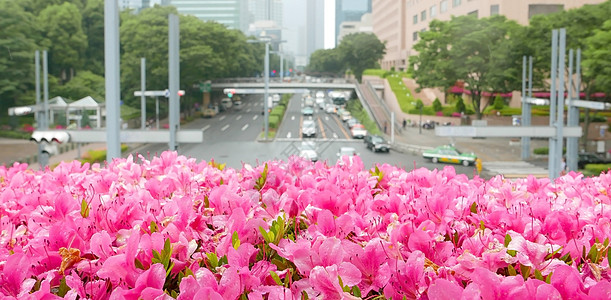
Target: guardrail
(382, 104)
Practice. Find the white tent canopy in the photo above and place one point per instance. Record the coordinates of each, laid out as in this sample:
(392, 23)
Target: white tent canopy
(84, 104)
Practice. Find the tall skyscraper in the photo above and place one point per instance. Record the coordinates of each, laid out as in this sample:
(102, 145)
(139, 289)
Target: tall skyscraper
(231, 13)
(315, 26)
(264, 10)
(349, 10)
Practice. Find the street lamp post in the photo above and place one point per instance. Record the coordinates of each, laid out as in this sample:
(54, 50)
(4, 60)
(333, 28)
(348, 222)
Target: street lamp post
(420, 125)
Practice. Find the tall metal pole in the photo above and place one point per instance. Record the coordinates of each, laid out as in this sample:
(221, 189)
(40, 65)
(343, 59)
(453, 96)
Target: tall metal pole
(266, 93)
(157, 112)
(553, 161)
(281, 67)
(44, 113)
(572, 120)
(420, 124)
(173, 77)
(38, 115)
(560, 103)
(112, 75)
(525, 147)
(392, 127)
(142, 89)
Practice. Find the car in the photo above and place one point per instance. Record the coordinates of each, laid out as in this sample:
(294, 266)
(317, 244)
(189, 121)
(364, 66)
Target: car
(428, 125)
(330, 108)
(352, 122)
(320, 102)
(449, 154)
(308, 101)
(345, 116)
(237, 105)
(307, 111)
(226, 103)
(349, 152)
(320, 94)
(208, 113)
(376, 143)
(586, 158)
(308, 128)
(308, 150)
(358, 131)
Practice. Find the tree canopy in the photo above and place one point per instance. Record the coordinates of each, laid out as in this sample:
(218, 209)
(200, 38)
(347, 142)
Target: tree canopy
(356, 52)
(72, 31)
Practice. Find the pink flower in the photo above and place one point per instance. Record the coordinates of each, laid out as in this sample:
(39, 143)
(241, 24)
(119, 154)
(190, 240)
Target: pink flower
(325, 280)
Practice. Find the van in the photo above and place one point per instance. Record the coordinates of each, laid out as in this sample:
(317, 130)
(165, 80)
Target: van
(226, 103)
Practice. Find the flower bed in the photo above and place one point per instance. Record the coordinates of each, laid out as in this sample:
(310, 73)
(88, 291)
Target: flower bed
(174, 228)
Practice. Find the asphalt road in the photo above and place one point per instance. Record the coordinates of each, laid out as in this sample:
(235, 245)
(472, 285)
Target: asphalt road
(231, 138)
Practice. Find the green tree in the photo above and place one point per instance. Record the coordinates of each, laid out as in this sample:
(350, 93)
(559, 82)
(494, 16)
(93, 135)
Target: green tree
(84, 84)
(17, 59)
(597, 64)
(93, 27)
(62, 33)
(473, 51)
(361, 51)
(325, 61)
(460, 105)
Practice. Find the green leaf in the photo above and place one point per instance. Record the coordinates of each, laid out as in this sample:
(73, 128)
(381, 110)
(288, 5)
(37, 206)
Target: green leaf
(138, 264)
(593, 254)
(548, 279)
(341, 283)
(507, 240)
(261, 180)
(153, 227)
(213, 259)
(525, 271)
(482, 226)
(206, 202)
(474, 208)
(276, 278)
(538, 275)
(63, 287)
(356, 292)
(235, 240)
(609, 256)
(264, 234)
(84, 209)
(511, 270)
(513, 253)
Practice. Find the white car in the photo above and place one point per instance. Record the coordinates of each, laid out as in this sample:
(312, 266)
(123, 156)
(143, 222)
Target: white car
(349, 152)
(345, 115)
(308, 128)
(330, 108)
(308, 151)
(358, 131)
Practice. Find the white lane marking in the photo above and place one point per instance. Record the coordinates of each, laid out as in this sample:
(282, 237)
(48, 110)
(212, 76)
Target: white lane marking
(288, 135)
(205, 127)
(222, 118)
(255, 117)
(244, 127)
(239, 117)
(335, 135)
(225, 127)
(292, 118)
(326, 118)
(248, 110)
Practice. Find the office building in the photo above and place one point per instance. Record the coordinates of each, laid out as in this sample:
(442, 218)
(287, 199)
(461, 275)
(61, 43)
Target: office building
(349, 11)
(315, 30)
(231, 13)
(349, 27)
(266, 10)
(398, 22)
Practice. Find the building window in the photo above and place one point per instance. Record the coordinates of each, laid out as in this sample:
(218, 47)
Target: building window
(543, 9)
(433, 11)
(443, 6)
(423, 15)
(415, 19)
(456, 3)
(415, 36)
(494, 9)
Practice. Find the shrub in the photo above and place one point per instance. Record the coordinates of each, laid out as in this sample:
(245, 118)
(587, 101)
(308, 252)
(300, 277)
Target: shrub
(541, 151)
(596, 169)
(437, 105)
(460, 105)
(274, 121)
(499, 103)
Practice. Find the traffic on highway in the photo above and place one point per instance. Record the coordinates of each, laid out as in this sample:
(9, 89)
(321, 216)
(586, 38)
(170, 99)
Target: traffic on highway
(234, 137)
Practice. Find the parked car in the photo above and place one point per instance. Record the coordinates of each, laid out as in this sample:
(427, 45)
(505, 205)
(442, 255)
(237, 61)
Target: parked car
(449, 154)
(308, 150)
(590, 158)
(208, 113)
(428, 125)
(376, 143)
(358, 131)
(307, 111)
(308, 128)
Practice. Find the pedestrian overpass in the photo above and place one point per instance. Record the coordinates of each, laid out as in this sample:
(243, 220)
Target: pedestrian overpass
(287, 86)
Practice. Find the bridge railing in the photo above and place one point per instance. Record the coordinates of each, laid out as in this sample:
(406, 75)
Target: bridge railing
(382, 104)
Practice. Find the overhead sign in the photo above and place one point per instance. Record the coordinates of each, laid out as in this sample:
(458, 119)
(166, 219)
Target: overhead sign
(164, 93)
(262, 91)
